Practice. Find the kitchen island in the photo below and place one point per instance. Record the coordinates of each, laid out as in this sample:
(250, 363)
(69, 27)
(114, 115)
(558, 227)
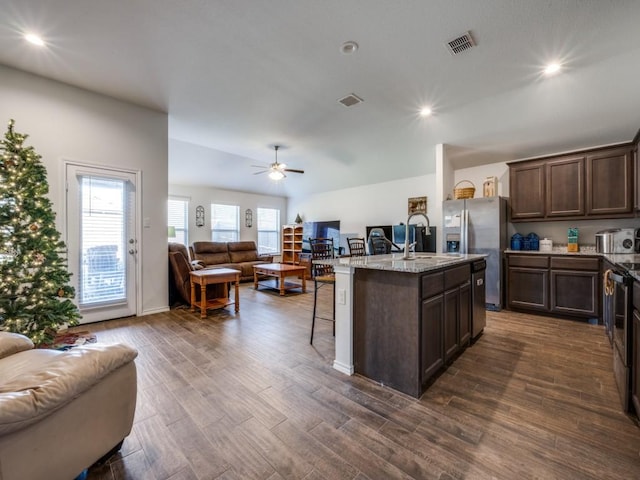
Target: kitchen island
(399, 321)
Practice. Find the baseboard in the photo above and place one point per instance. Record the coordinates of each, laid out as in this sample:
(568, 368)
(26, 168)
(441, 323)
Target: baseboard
(343, 368)
(154, 310)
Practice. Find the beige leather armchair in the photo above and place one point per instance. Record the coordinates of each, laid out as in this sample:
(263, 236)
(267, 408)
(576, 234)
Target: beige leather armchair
(60, 412)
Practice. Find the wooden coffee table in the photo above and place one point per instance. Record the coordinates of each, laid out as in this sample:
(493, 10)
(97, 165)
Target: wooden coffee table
(280, 271)
(208, 277)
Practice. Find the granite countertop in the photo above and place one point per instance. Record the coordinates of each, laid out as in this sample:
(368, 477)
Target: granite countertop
(559, 250)
(421, 262)
(615, 258)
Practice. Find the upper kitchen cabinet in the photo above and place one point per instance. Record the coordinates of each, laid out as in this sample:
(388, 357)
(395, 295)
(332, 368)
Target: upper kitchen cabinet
(526, 191)
(595, 183)
(610, 182)
(565, 187)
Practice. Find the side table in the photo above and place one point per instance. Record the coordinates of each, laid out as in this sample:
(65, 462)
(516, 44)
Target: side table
(211, 276)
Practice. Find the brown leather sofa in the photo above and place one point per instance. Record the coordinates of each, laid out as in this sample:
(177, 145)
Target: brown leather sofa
(237, 255)
(60, 412)
(179, 282)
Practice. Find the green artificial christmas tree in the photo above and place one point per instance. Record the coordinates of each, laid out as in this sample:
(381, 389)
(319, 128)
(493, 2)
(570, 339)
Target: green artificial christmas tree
(34, 279)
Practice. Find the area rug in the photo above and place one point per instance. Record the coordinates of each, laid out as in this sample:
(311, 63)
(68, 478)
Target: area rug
(67, 340)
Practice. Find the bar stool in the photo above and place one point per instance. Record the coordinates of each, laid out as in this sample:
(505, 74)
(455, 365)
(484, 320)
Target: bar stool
(322, 249)
(356, 247)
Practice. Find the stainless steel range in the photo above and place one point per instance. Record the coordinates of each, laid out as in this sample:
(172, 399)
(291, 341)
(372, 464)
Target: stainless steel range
(618, 318)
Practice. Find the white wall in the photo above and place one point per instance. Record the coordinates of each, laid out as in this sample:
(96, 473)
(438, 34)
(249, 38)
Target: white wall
(205, 196)
(477, 176)
(377, 204)
(68, 123)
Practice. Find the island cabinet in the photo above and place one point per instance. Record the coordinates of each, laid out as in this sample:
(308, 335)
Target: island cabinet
(554, 284)
(596, 183)
(407, 326)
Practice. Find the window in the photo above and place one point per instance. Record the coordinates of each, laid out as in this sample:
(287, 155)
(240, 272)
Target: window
(268, 230)
(178, 220)
(225, 223)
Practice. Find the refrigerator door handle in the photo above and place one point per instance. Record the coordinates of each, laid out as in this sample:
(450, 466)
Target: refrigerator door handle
(464, 231)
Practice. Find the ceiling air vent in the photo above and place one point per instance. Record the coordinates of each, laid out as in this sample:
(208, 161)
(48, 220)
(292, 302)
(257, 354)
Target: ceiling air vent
(350, 100)
(460, 44)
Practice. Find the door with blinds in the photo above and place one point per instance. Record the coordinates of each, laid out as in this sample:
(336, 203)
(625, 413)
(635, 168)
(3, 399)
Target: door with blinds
(102, 241)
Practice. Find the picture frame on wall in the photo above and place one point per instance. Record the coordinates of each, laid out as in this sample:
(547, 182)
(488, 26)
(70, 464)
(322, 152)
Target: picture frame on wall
(417, 205)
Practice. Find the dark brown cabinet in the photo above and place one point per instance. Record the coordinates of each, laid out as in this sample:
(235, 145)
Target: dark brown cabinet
(610, 182)
(575, 286)
(451, 315)
(565, 187)
(464, 328)
(563, 285)
(432, 354)
(528, 282)
(597, 183)
(407, 326)
(527, 190)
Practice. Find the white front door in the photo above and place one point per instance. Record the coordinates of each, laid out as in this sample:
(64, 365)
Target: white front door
(101, 240)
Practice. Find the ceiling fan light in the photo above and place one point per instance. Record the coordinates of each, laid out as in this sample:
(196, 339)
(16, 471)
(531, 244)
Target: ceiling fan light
(276, 174)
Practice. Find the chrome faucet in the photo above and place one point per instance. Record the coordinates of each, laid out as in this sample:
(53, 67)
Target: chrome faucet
(407, 245)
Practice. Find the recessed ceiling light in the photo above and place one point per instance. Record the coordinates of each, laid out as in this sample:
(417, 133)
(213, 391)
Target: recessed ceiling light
(425, 112)
(349, 47)
(552, 69)
(35, 39)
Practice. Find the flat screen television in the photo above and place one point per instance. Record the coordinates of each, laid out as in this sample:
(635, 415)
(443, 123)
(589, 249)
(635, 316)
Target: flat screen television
(328, 229)
(399, 234)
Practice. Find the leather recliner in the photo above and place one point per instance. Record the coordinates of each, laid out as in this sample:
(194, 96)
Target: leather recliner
(60, 412)
(179, 280)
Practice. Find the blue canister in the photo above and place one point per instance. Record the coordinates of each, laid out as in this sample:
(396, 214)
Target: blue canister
(516, 242)
(534, 241)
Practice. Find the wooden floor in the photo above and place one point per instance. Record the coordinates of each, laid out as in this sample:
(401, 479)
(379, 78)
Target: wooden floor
(245, 397)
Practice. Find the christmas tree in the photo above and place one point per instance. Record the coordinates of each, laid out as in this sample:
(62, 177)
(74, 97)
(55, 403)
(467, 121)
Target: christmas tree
(34, 279)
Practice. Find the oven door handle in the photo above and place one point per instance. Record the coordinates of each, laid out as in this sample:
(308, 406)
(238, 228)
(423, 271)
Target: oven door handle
(616, 277)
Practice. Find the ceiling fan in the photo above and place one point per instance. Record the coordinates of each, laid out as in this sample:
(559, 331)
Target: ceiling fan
(276, 170)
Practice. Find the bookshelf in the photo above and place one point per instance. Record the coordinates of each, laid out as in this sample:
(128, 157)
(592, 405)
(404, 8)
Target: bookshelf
(291, 244)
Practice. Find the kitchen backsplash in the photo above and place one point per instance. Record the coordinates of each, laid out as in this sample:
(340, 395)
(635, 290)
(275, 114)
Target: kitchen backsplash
(557, 231)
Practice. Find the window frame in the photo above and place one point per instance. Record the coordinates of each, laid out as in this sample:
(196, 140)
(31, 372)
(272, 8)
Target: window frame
(235, 232)
(276, 231)
(184, 229)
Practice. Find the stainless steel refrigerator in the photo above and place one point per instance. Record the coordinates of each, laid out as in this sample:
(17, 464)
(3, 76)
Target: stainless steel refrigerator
(479, 225)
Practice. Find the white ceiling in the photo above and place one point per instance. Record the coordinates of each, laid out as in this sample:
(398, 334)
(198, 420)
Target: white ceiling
(239, 76)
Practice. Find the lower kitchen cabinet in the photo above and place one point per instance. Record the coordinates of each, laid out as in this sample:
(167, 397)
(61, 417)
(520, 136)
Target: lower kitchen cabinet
(432, 354)
(528, 282)
(465, 314)
(457, 319)
(574, 292)
(451, 314)
(563, 285)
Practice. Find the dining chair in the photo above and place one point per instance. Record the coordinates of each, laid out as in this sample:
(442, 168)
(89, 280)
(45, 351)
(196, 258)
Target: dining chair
(356, 247)
(380, 246)
(322, 249)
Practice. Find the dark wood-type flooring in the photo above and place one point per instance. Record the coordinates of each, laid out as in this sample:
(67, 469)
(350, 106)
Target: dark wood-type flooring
(244, 396)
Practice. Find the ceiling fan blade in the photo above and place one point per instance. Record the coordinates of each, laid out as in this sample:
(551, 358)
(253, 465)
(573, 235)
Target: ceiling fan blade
(293, 170)
(263, 171)
(260, 166)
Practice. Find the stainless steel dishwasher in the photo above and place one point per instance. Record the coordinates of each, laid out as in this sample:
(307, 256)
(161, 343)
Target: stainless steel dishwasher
(478, 298)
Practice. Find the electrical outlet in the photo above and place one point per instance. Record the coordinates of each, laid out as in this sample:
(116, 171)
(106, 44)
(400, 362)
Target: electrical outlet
(342, 296)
